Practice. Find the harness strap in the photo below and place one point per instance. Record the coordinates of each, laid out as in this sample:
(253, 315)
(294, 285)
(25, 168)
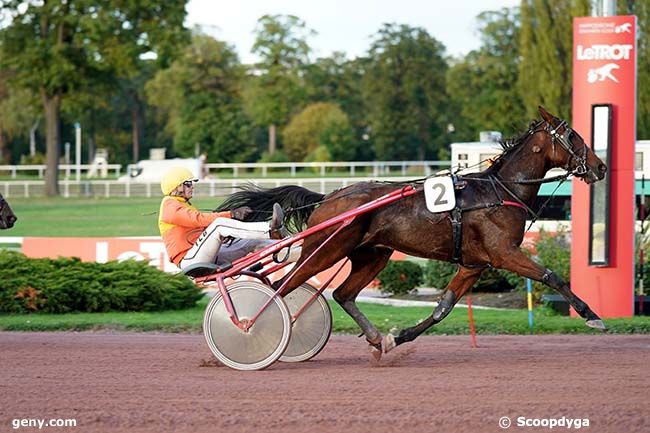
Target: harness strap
(457, 235)
(514, 203)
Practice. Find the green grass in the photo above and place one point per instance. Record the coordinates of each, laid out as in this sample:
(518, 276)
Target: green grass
(384, 317)
(105, 217)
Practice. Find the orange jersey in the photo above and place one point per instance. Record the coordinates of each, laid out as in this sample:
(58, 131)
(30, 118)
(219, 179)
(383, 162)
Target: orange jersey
(181, 224)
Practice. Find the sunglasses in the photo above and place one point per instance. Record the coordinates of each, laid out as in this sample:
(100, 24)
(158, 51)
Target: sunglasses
(188, 183)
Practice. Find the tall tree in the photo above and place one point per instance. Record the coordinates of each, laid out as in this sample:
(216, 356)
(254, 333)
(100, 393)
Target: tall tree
(200, 95)
(277, 90)
(18, 113)
(547, 54)
(56, 47)
(337, 80)
(642, 10)
(404, 93)
(483, 96)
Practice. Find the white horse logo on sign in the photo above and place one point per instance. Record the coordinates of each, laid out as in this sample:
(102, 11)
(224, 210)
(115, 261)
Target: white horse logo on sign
(602, 73)
(624, 28)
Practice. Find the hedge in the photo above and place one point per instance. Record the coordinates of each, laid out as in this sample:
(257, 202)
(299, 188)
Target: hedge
(68, 284)
(400, 277)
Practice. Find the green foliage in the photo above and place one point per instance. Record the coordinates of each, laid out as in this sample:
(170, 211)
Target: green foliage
(199, 94)
(438, 274)
(642, 11)
(482, 83)
(277, 156)
(320, 124)
(547, 54)
(554, 253)
(399, 277)
(68, 284)
(404, 93)
(273, 95)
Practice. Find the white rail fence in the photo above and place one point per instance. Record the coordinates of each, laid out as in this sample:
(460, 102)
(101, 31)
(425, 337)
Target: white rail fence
(207, 187)
(353, 168)
(384, 170)
(69, 170)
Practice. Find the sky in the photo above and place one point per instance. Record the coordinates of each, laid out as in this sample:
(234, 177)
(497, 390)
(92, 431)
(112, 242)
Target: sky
(344, 25)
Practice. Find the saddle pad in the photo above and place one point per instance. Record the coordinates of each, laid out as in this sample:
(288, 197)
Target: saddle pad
(439, 194)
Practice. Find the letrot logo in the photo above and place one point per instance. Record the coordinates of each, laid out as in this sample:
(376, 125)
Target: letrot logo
(604, 52)
(602, 73)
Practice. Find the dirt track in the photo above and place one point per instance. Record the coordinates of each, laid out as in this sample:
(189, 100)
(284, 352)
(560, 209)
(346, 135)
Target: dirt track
(163, 382)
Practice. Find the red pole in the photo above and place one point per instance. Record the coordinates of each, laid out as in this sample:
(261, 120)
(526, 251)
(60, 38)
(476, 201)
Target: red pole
(471, 321)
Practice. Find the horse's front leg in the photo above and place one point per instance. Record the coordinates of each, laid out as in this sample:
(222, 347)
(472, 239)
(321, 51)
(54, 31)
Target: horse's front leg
(464, 279)
(366, 263)
(521, 264)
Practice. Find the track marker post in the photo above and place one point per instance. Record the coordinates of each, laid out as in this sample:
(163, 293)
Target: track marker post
(470, 313)
(529, 290)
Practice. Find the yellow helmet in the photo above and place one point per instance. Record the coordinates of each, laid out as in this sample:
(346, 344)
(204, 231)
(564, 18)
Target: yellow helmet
(174, 177)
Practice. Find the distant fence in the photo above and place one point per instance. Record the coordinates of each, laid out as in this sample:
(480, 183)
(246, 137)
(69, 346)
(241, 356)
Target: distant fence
(69, 170)
(206, 187)
(384, 170)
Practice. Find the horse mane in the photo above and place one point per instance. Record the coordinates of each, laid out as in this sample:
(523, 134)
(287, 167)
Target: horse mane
(513, 143)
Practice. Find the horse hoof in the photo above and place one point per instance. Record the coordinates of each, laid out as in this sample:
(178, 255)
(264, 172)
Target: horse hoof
(596, 324)
(388, 343)
(375, 352)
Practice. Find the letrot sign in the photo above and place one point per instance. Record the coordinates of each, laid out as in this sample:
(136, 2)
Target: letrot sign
(604, 89)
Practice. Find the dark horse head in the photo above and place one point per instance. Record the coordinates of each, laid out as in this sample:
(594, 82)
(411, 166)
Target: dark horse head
(7, 217)
(554, 140)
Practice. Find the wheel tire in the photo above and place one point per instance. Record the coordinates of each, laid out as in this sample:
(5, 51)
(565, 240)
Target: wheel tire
(264, 342)
(311, 331)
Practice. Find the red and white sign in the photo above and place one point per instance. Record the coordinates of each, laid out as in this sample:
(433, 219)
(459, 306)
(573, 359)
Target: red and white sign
(151, 249)
(604, 72)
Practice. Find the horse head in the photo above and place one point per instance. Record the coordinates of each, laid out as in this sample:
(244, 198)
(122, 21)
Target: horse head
(574, 155)
(7, 217)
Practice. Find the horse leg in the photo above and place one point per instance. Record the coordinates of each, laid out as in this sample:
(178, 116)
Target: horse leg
(521, 264)
(456, 288)
(366, 264)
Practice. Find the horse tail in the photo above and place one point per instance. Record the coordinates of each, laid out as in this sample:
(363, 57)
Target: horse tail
(298, 203)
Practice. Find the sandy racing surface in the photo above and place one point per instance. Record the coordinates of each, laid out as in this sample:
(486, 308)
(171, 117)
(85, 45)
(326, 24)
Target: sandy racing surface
(168, 382)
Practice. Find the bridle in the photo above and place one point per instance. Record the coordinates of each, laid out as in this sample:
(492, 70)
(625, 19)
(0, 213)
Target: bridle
(581, 169)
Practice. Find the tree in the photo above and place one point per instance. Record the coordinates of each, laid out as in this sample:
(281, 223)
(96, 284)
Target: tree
(56, 48)
(404, 93)
(642, 10)
(17, 114)
(338, 80)
(200, 96)
(545, 70)
(481, 88)
(319, 125)
(276, 89)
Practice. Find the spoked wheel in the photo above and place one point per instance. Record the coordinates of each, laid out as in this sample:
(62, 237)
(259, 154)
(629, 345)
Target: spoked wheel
(263, 343)
(311, 331)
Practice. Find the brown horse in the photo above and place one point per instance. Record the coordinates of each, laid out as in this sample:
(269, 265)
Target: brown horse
(7, 217)
(485, 230)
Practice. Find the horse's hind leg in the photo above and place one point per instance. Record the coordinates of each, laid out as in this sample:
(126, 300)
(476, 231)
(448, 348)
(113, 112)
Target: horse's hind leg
(521, 264)
(456, 288)
(366, 264)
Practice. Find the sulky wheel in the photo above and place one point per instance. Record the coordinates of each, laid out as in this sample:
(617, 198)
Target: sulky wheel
(263, 343)
(311, 331)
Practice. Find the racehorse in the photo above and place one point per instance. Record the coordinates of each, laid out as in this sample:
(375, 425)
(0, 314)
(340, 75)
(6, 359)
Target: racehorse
(485, 229)
(7, 217)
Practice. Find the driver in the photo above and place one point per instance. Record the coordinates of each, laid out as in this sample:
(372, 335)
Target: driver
(192, 237)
